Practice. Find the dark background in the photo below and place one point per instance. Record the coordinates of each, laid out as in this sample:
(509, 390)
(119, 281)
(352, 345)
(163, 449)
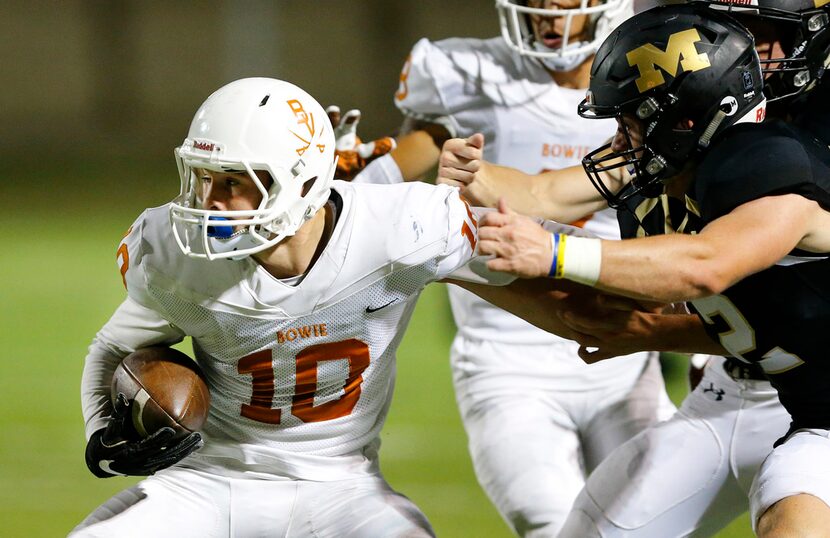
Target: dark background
(123, 78)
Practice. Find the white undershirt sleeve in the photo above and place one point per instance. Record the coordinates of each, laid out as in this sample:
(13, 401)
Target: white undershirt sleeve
(132, 326)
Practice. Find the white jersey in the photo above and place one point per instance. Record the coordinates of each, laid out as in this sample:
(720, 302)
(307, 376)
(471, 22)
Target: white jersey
(301, 376)
(528, 122)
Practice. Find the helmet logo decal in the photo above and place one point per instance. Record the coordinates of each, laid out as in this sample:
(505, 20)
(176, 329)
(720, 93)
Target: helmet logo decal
(204, 146)
(820, 3)
(306, 119)
(729, 105)
(681, 45)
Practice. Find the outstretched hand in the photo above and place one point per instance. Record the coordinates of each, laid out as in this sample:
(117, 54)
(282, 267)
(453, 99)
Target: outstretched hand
(519, 244)
(353, 154)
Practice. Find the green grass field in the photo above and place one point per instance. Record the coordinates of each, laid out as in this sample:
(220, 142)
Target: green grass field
(60, 284)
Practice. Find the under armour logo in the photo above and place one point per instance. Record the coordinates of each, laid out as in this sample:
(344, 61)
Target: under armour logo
(717, 392)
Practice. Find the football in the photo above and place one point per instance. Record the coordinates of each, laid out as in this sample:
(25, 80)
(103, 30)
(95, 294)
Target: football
(165, 388)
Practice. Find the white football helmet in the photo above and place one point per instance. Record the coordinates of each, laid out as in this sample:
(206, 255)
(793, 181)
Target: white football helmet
(254, 124)
(517, 29)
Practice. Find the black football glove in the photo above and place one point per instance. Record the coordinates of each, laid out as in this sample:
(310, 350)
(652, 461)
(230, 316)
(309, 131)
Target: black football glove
(118, 451)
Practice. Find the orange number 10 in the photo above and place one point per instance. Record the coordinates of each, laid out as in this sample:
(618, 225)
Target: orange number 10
(259, 365)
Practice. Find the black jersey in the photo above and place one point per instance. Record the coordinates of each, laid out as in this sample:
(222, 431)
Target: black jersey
(778, 318)
(812, 111)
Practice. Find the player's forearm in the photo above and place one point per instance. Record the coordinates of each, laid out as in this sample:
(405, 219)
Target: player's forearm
(416, 155)
(684, 267)
(566, 195)
(536, 301)
(682, 333)
(96, 379)
(132, 326)
(496, 181)
(561, 195)
(667, 269)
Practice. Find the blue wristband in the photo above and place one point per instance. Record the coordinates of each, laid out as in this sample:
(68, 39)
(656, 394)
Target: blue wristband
(552, 272)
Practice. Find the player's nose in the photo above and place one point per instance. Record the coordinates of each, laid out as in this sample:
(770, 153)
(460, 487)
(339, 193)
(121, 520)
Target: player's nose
(620, 141)
(213, 199)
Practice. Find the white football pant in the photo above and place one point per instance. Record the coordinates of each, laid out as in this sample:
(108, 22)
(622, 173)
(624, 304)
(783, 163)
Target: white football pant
(690, 475)
(532, 436)
(800, 465)
(179, 502)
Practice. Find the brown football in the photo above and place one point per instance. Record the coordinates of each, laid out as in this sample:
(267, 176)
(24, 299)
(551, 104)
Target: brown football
(165, 388)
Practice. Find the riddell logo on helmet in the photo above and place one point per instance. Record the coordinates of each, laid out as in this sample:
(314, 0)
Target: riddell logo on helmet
(204, 146)
(648, 57)
(739, 2)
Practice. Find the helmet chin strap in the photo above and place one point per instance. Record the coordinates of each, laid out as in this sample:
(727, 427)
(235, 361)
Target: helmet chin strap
(562, 61)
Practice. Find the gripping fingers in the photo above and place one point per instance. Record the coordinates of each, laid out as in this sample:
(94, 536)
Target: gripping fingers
(165, 457)
(488, 247)
(177, 452)
(495, 219)
(120, 406)
(499, 264)
(345, 127)
(591, 355)
(159, 440)
(454, 176)
(452, 160)
(461, 150)
(333, 112)
(343, 122)
(350, 119)
(491, 232)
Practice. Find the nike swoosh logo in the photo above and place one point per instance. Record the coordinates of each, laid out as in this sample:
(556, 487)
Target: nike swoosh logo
(369, 309)
(105, 466)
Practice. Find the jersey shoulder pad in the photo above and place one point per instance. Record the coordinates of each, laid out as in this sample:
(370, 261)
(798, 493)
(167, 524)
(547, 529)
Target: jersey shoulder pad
(129, 257)
(410, 222)
(148, 249)
(750, 162)
(449, 76)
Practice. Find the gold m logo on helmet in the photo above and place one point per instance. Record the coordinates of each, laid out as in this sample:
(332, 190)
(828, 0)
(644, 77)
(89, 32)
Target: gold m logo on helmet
(820, 3)
(648, 58)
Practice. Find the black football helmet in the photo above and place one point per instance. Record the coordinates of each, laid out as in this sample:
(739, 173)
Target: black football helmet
(803, 30)
(687, 73)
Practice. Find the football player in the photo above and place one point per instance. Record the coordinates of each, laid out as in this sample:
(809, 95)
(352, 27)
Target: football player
(295, 291)
(730, 421)
(755, 284)
(528, 403)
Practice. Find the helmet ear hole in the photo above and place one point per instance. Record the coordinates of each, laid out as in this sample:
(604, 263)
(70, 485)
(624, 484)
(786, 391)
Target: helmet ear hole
(307, 186)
